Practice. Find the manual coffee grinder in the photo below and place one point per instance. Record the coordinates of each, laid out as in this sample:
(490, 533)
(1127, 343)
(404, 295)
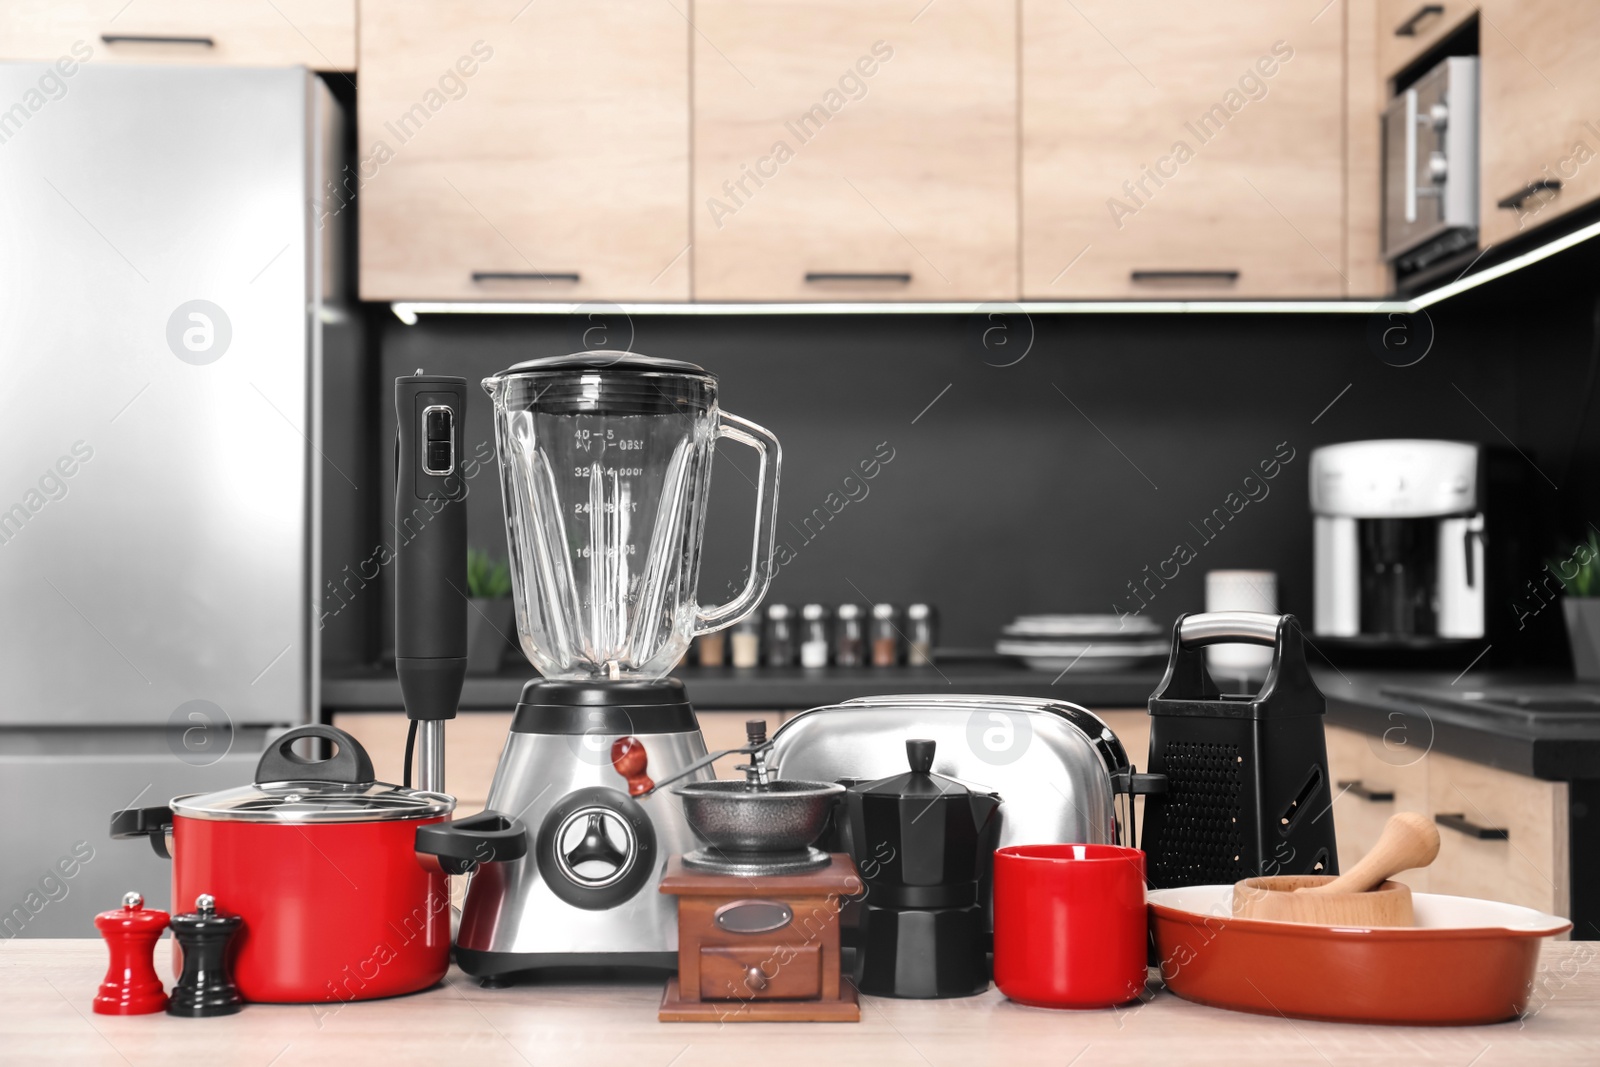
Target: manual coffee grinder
(605, 471)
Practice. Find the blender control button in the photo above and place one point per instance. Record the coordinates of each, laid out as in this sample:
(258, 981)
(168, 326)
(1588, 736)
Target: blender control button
(437, 422)
(438, 457)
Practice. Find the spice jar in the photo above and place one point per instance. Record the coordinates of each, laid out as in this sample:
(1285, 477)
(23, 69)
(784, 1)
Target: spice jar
(814, 635)
(747, 643)
(850, 637)
(921, 629)
(778, 642)
(885, 636)
(712, 649)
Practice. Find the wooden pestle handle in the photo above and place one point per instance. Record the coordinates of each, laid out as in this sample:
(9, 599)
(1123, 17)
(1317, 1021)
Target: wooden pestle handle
(1409, 840)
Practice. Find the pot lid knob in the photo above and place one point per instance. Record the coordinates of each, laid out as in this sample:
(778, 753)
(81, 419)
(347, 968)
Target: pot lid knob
(919, 753)
(133, 901)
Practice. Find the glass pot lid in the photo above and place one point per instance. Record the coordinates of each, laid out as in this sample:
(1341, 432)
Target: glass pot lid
(314, 802)
(289, 788)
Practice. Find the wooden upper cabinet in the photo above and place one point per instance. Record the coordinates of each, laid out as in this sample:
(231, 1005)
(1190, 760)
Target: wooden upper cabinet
(1192, 152)
(1408, 28)
(320, 34)
(516, 151)
(1539, 97)
(855, 150)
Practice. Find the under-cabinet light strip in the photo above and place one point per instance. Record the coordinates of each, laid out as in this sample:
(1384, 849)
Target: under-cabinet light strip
(408, 311)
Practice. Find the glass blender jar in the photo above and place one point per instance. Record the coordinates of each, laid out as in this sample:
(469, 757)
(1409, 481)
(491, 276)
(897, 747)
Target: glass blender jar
(605, 467)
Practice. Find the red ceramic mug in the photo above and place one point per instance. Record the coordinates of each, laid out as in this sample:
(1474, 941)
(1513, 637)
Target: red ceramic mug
(1069, 925)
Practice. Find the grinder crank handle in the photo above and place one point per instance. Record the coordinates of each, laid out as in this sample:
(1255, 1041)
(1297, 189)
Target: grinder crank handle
(631, 760)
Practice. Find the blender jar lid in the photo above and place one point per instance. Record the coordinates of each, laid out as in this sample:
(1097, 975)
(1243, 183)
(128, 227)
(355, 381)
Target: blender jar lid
(602, 360)
(603, 383)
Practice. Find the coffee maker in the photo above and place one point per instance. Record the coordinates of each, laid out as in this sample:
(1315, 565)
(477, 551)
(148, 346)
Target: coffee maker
(1403, 553)
(924, 845)
(605, 469)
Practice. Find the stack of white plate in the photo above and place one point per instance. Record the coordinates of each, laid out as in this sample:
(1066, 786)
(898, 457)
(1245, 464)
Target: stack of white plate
(1083, 642)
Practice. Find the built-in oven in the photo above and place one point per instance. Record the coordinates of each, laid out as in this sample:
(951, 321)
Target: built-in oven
(1430, 167)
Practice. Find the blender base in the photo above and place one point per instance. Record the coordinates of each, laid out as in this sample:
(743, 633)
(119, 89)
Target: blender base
(586, 895)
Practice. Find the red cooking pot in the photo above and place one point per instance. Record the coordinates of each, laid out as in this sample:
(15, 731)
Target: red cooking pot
(340, 879)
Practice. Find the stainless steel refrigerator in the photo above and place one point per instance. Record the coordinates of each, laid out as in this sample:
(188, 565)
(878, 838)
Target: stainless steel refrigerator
(167, 270)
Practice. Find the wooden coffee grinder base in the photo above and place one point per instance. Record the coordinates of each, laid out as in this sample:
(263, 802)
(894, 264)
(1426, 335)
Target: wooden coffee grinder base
(762, 948)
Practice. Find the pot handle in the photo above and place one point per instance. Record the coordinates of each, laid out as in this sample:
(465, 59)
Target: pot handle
(460, 845)
(349, 762)
(154, 823)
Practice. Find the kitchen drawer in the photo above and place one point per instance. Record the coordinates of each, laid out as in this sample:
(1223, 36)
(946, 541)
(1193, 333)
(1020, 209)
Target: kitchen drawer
(760, 972)
(1529, 867)
(522, 152)
(1372, 780)
(1408, 28)
(846, 151)
(1199, 154)
(320, 34)
(1539, 121)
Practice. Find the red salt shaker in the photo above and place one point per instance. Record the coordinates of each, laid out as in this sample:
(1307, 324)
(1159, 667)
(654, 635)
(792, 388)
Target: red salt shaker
(131, 986)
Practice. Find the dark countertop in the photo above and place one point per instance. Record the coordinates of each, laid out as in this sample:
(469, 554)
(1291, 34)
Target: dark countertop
(1561, 747)
(784, 689)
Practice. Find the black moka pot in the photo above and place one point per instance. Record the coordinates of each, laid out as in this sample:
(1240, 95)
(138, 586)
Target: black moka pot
(923, 844)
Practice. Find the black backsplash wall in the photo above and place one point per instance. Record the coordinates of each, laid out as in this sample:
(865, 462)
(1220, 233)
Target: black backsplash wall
(1051, 483)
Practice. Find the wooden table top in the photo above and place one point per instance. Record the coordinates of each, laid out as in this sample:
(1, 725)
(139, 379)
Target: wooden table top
(46, 987)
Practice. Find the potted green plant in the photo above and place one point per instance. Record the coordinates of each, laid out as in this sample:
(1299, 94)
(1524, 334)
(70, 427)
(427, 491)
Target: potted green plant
(1579, 575)
(489, 616)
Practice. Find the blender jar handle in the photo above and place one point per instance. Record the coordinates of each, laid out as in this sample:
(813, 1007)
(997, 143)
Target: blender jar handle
(759, 438)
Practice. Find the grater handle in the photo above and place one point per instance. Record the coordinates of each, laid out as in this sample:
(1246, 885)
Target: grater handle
(1229, 627)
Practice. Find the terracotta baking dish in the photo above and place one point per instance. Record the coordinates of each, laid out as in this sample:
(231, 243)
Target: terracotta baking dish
(1465, 962)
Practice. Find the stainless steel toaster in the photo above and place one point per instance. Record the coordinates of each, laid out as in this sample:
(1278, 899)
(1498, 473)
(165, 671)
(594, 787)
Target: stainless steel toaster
(1058, 768)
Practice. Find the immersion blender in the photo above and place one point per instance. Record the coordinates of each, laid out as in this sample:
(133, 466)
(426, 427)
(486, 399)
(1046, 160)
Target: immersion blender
(430, 529)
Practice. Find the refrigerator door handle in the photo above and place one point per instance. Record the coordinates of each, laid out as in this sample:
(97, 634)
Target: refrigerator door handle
(154, 823)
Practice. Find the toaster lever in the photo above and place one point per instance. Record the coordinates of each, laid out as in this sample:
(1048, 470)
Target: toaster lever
(1134, 784)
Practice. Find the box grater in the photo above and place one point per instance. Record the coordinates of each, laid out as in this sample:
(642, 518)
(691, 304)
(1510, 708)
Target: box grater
(1247, 789)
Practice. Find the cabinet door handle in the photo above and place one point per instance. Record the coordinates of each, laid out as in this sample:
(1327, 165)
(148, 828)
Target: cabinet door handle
(1227, 277)
(892, 277)
(1377, 796)
(1408, 28)
(1460, 824)
(151, 38)
(1532, 189)
(570, 276)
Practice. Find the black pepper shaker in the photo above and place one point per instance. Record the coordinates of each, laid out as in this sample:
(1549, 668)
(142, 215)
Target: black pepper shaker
(205, 988)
